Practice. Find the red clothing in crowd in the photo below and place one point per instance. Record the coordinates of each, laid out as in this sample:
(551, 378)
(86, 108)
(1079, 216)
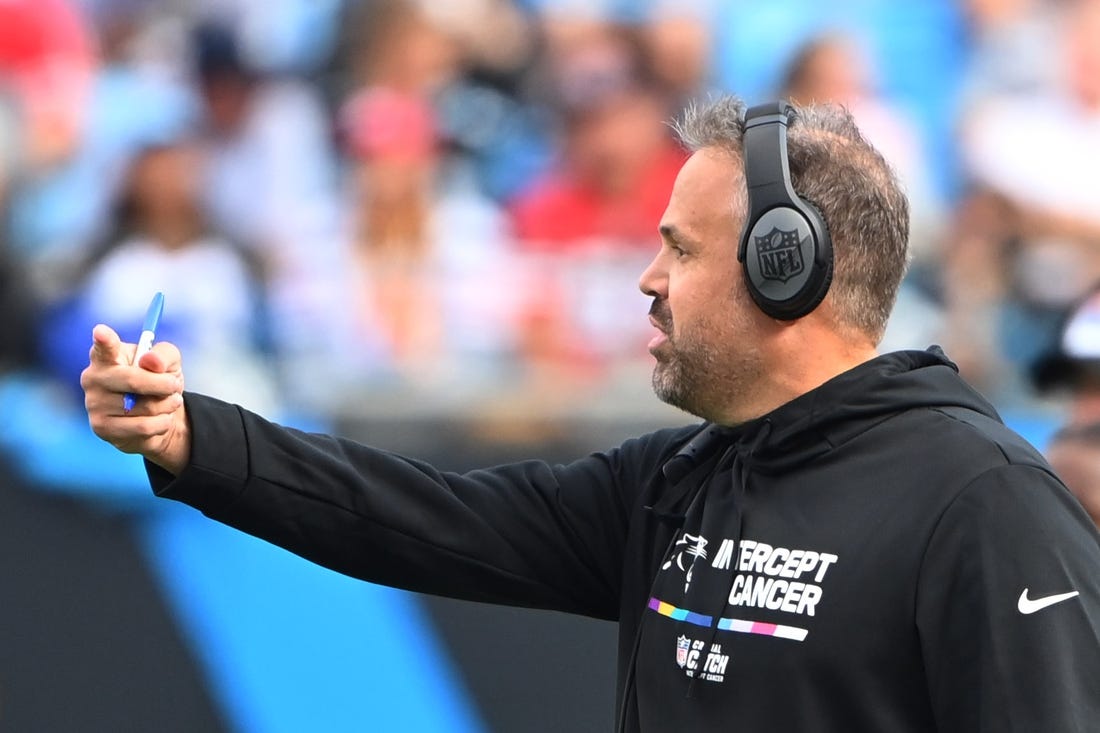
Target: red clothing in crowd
(561, 214)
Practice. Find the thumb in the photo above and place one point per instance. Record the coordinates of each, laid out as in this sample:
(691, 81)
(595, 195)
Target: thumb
(164, 357)
(106, 346)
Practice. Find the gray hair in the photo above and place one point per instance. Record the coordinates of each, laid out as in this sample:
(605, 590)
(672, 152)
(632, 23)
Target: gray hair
(836, 169)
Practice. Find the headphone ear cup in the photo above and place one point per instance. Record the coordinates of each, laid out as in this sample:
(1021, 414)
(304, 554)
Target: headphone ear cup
(787, 260)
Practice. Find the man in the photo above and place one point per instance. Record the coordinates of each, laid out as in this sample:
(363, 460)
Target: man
(849, 542)
(1074, 452)
(1071, 370)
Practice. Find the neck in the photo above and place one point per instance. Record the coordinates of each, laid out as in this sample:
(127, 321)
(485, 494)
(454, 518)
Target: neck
(800, 360)
(172, 231)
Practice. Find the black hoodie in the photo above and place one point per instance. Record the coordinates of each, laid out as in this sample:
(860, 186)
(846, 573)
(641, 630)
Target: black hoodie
(879, 554)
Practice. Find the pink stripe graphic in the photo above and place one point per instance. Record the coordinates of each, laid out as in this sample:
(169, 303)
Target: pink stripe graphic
(745, 626)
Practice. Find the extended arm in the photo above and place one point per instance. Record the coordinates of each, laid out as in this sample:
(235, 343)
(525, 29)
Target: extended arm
(526, 534)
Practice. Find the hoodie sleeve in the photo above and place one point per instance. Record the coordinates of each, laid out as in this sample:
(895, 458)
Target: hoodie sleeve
(527, 534)
(1008, 608)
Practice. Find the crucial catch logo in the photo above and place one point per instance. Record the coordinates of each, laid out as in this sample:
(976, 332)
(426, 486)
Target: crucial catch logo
(689, 657)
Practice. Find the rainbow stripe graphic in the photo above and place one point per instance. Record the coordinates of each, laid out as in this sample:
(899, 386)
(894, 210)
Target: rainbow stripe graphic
(739, 625)
(680, 614)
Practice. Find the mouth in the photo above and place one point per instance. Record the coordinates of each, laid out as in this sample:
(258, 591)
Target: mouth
(662, 327)
(657, 342)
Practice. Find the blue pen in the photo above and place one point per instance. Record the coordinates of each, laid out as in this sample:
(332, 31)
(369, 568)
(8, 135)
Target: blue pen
(145, 341)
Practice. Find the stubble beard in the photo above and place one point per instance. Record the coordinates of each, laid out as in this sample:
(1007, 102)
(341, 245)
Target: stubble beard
(680, 378)
(697, 377)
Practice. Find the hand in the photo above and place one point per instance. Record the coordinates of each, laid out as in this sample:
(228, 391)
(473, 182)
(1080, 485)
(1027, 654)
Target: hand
(157, 427)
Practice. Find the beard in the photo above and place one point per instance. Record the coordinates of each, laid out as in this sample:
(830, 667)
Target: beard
(680, 377)
(694, 374)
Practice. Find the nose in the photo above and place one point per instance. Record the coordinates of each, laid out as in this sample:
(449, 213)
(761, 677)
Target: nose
(654, 279)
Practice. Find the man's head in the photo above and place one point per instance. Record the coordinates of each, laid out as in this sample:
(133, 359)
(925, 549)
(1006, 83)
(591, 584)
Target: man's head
(1072, 364)
(716, 346)
(1074, 453)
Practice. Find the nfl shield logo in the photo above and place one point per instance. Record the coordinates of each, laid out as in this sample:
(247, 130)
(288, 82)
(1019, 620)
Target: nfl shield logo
(780, 254)
(682, 646)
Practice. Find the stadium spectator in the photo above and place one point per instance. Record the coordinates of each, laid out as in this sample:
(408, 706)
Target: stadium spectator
(46, 60)
(272, 184)
(136, 97)
(1071, 372)
(1025, 244)
(1009, 43)
(213, 288)
(431, 251)
(617, 159)
(1071, 367)
(1074, 453)
(838, 68)
(392, 135)
(597, 209)
(486, 111)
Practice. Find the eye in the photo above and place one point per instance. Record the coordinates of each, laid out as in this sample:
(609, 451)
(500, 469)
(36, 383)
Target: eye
(677, 250)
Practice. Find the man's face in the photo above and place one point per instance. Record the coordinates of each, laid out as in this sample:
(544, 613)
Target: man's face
(1077, 463)
(707, 346)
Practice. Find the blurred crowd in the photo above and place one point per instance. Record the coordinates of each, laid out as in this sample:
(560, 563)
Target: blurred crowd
(346, 202)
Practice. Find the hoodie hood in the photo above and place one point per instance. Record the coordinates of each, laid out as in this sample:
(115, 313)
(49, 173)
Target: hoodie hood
(847, 405)
(853, 402)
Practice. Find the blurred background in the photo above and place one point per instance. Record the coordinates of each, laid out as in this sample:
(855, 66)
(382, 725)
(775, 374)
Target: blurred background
(421, 224)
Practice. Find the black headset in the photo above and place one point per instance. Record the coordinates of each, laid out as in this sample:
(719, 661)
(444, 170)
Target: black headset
(785, 250)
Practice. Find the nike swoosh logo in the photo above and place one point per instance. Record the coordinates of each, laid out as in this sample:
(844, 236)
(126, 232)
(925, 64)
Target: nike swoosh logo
(1030, 605)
